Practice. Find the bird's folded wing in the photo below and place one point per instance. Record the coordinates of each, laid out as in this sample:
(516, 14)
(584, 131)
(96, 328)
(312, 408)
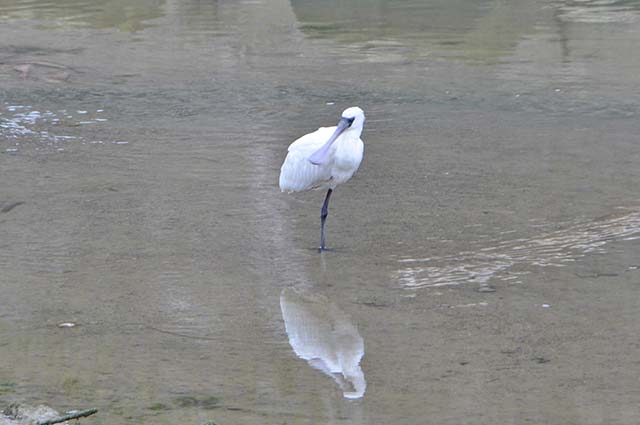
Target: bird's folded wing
(309, 143)
(297, 173)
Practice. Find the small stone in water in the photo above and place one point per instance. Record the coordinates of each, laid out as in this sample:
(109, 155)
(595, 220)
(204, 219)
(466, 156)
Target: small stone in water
(67, 325)
(486, 288)
(546, 305)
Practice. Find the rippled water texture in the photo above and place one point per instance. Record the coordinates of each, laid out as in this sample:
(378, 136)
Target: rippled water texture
(555, 249)
(484, 262)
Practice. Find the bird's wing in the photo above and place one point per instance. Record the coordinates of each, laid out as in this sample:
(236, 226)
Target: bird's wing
(297, 173)
(309, 143)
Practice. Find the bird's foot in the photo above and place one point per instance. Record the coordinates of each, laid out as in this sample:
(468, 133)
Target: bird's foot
(324, 249)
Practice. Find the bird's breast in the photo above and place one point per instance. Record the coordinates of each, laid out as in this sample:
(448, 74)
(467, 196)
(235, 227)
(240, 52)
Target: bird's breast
(348, 155)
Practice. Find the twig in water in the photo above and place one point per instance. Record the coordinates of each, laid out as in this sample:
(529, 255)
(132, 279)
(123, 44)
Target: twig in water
(9, 207)
(76, 415)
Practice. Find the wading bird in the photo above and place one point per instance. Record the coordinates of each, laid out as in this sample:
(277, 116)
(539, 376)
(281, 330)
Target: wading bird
(324, 159)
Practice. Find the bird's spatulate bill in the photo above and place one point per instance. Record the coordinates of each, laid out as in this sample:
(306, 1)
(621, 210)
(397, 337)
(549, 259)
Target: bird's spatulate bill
(320, 156)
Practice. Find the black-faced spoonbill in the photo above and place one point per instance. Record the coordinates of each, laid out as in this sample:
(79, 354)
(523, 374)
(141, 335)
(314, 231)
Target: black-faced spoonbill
(324, 159)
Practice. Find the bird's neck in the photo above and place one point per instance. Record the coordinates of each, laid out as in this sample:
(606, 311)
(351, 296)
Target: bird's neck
(353, 133)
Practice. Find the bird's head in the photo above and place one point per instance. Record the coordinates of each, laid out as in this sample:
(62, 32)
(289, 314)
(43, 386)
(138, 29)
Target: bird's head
(352, 120)
(354, 116)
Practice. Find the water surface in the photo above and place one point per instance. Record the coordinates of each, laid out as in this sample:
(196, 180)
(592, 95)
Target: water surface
(485, 258)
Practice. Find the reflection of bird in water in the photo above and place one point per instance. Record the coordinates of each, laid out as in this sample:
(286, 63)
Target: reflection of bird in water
(324, 159)
(324, 336)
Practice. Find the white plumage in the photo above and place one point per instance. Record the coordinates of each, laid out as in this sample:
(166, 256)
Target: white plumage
(325, 158)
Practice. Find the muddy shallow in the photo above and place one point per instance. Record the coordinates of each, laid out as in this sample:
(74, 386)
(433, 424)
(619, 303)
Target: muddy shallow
(485, 265)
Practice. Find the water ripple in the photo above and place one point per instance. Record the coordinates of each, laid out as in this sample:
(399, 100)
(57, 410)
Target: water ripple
(21, 124)
(599, 11)
(508, 260)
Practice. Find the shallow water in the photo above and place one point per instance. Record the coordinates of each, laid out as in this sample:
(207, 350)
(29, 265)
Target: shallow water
(484, 265)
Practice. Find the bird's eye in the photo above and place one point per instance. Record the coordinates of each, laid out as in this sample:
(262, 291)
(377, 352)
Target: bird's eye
(351, 120)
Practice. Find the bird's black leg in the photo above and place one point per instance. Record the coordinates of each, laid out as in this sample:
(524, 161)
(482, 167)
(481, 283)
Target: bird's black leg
(323, 217)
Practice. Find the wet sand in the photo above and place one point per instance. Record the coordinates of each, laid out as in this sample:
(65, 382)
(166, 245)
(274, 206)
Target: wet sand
(485, 257)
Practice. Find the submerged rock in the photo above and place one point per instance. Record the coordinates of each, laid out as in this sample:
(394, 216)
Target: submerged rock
(23, 414)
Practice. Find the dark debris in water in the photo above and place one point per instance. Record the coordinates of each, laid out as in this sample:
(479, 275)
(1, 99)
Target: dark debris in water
(375, 301)
(7, 387)
(5, 208)
(26, 64)
(206, 402)
(159, 407)
(596, 275)
(517, 350)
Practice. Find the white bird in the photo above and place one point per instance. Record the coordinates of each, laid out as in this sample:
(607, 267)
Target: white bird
(324, 159)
